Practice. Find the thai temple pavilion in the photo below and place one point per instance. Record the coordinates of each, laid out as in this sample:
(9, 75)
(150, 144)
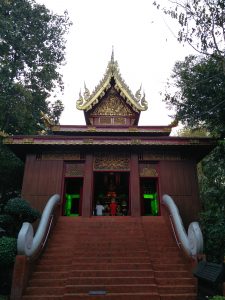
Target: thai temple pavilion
(111, 157)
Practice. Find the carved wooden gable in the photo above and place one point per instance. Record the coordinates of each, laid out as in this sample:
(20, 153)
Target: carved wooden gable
(112, 110)
(112, 102)
(112, 105)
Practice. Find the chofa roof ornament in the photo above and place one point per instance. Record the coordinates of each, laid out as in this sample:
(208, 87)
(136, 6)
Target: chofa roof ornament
(88, 100)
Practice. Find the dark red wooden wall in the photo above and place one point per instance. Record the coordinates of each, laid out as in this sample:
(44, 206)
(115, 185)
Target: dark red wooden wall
(179, 180)
(42, 178)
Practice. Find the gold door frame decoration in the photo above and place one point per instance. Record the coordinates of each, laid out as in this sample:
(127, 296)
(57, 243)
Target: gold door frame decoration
(148, 170)
(111, 161)
(74, 169)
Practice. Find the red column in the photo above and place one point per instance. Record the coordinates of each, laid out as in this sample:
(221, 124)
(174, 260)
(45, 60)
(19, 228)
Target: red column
(88, 187)
(134, 187)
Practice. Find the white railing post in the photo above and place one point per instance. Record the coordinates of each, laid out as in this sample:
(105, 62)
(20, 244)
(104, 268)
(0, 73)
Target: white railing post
(27, 243)
(192, 243)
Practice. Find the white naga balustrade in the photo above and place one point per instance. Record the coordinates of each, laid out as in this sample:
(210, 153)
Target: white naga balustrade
(27, 243)
(192, 243)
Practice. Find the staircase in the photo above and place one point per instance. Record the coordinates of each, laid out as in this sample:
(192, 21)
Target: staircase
(115, 258)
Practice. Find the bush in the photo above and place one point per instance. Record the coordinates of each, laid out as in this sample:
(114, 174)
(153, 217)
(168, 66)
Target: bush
(213, 227)
(217, 298)
(8, 249)
(13, 213)
(21, 208)
(6, 222)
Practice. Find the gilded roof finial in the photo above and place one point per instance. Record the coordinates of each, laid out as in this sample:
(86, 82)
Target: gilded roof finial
(86, 92)
(138, 93)
(112, 55)
(144, 103)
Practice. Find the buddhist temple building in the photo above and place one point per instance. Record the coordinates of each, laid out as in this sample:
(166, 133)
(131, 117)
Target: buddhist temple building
(111, 157)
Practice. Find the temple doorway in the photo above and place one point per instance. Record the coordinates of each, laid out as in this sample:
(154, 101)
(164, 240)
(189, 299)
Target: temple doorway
(149, 196)
(111, 187)
(72, 196)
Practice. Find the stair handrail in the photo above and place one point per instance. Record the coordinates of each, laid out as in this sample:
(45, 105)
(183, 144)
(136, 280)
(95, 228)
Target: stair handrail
(27, 243)
(192, 243)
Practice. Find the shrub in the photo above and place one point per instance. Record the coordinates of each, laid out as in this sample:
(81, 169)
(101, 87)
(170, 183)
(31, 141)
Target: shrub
(6, 222)
(213, 227)
(8, 249)
(21, 208)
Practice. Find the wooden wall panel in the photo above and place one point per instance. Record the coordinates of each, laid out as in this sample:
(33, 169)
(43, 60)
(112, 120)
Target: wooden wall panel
(42, 179)
(179, 180)
(135, 187)
(88, 187)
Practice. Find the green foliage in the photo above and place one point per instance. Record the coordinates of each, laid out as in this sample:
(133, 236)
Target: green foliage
(19, 208)
(212, 189)
(200, 24)
(9, 164)
(217, 298)
(213, 227)
(189, 132)
(56, 110)
(17, 211)
(5, 222)
(12, 215)
(32, 49)
(8, 248)
(3, 297)
(199, 97)
(200, 105)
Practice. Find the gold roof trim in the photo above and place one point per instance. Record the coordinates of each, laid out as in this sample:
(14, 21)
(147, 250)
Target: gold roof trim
(88, 100)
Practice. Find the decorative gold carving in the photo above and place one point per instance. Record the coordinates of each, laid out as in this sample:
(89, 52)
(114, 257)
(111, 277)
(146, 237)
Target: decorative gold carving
(119, 121)
(111, 161)
(135, 142)
(3, 133)
(56, 128)
(132, 129)
(63, 156)
(73, 170)
(8, 140)
(91, 128)
(87, 101)
(112, 106)
(148, 170)
(47, 121)
(105, 120)
(24, 141)
(88, 141)
(156, 156)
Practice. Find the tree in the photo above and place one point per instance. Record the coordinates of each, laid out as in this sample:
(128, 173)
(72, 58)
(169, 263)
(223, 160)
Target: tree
(201, 24)
(198, 97)
(212, 217)
(32, 49)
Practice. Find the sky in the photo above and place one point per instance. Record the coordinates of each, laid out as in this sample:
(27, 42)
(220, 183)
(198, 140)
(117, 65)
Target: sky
(145, 46)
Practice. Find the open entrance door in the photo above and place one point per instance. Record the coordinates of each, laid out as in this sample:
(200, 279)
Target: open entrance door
(73, 196)
(149, 196)
(111, 187)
